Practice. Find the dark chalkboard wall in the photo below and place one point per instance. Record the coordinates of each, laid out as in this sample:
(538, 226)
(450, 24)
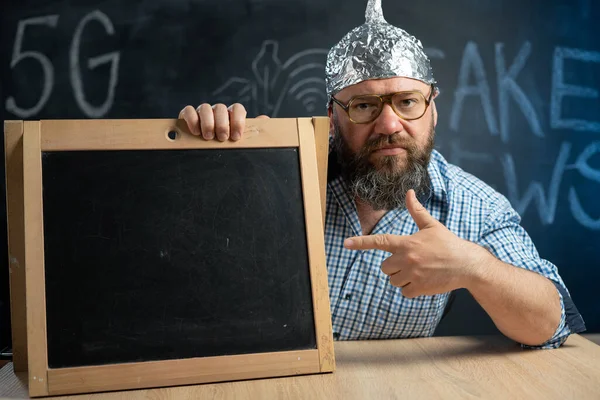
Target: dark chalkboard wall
(519, 81)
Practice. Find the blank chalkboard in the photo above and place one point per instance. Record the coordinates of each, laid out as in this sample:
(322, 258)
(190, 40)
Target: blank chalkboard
(153, 255)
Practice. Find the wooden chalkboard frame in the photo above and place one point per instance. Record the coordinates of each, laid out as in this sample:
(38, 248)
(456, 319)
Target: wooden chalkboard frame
(24, 143)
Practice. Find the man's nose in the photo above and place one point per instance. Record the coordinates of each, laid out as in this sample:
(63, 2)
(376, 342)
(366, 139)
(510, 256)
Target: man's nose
(388, 122)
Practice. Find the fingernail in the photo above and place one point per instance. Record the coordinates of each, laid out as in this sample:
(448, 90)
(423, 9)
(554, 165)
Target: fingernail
(235, 136)
(223, 137)
(209, 135)
(348, 242)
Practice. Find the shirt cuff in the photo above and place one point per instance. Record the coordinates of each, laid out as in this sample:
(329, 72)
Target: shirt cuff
(570, 322)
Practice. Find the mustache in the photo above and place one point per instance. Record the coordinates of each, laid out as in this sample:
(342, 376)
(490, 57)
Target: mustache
(388, 140)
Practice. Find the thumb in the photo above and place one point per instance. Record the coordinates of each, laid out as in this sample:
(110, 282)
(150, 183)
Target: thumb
(421, 216)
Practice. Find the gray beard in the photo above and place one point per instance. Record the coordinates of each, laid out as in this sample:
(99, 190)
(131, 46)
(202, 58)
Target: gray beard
(384, 188)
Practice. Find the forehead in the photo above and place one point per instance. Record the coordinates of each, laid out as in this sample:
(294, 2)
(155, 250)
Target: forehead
(383, 86)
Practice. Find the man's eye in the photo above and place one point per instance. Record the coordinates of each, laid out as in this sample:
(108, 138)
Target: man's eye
(363, 106)
(407, 103)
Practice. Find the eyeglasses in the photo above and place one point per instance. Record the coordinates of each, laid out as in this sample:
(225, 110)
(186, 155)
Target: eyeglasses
(366, 108)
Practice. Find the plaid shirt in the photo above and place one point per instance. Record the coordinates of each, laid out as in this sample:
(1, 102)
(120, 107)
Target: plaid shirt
(364, 305)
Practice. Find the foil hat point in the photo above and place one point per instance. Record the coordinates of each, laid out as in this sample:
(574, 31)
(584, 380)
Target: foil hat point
(374, 13)
(375, 50)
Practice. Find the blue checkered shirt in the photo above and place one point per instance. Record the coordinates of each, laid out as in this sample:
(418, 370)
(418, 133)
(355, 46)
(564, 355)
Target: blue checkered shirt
(364, 305)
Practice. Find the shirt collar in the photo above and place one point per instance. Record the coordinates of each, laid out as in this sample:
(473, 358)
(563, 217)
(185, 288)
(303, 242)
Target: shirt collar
(436, 169)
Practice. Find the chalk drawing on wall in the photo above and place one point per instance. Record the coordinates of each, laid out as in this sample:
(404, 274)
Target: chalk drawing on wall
(300, 79)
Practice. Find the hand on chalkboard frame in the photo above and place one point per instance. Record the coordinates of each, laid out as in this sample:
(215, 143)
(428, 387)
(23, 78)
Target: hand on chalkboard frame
(217, 120)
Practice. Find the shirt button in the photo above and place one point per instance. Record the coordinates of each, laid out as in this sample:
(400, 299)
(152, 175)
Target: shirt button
(336, 335)
(348, 296)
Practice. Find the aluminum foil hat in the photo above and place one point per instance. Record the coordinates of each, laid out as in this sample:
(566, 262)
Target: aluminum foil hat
(375, 50)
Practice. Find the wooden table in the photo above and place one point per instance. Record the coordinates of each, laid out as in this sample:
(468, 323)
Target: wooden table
(431, 368)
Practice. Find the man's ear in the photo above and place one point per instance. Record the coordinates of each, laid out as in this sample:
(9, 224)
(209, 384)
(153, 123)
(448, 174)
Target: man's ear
(330, 115)
(434, 112)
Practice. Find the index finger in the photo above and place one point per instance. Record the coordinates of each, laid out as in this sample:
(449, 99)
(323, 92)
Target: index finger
(190, 116)
(385, 242)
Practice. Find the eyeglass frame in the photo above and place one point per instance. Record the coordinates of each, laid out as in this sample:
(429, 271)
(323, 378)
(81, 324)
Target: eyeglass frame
(386, 98)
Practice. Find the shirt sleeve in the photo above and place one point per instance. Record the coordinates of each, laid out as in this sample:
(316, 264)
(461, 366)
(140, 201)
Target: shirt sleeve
(504, 237)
